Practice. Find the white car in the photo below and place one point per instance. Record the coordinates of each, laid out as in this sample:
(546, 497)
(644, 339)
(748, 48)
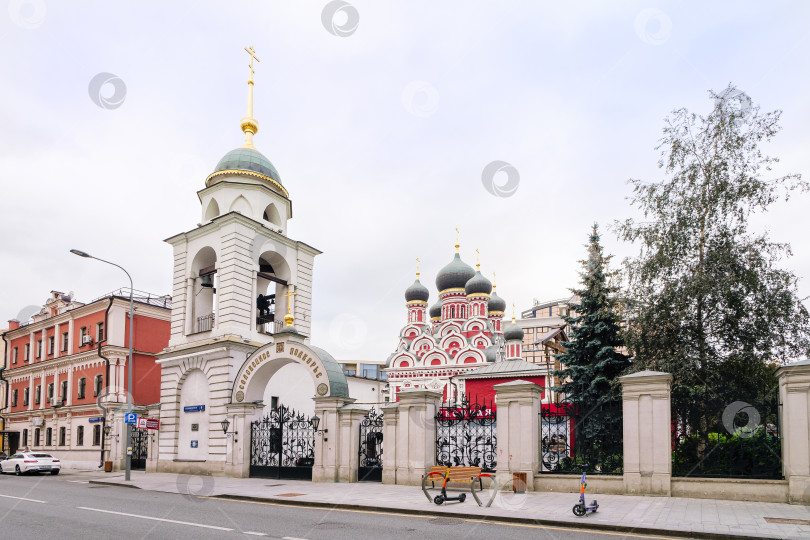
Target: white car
(30, 462)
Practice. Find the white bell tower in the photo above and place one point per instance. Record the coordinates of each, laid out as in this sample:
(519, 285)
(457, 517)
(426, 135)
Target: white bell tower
(231, 272)
(236, 275)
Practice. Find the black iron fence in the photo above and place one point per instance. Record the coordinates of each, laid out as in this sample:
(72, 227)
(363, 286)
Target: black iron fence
(282, 445)
(371, 447)
(572, 441)
(742, 442)
(466, 435)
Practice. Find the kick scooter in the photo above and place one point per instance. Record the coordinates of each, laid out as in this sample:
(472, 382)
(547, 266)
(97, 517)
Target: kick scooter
(439, 499)
(580, 509)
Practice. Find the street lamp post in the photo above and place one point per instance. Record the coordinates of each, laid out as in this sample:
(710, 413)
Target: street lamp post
(128, 438)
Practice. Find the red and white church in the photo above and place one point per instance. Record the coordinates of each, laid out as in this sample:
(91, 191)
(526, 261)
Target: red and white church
(459, 347)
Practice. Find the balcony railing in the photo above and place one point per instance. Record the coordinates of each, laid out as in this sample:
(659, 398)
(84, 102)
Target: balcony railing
(268, 325)
(205, 323)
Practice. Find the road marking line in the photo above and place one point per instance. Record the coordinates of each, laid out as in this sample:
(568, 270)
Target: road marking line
(253, 533)
(289, 538)
(23, 499)
(494, 520)
(155, 518)
(79, 481)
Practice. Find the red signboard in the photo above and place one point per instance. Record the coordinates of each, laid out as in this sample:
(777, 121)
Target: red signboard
(148, 423)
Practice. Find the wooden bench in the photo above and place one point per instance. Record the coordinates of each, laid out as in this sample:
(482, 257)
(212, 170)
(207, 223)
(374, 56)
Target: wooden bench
(463, 474)
(456, 475)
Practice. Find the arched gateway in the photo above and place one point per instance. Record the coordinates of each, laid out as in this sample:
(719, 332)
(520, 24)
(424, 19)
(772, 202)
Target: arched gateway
(255, 373)
(282, 440)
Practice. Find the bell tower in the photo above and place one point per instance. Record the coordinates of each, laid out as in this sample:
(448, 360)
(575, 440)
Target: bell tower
(233, 271)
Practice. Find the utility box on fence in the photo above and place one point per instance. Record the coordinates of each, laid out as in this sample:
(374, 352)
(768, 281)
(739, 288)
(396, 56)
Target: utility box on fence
(519, 482)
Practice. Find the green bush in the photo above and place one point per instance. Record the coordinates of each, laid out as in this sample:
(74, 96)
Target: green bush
(744, 454)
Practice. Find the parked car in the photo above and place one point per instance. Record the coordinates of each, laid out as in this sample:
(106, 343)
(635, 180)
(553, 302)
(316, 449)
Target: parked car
(3, 455)
(30, 462)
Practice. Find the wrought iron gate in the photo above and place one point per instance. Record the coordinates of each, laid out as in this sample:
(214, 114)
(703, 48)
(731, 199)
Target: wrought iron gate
(371, 447)
(465, 435)
(282, 445)
(140, 446)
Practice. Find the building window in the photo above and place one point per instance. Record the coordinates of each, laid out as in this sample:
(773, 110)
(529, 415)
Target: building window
(80, 436)
(50, 344)
(274, 402)
(38, 394)
(96, 435)
(82, 386)
(27, 352)
(48, 436)
(64, 341)
(36, 437)
(83, 336)
(62, 435)
(39, 348)
(14, 355)
(14, 398)
(64, 394)
(50, 392)
(25, 437)
(26, 395)
(100, 331)
(97, 386)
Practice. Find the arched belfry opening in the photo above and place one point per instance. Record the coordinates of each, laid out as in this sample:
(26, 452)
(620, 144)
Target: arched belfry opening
(203, 284)
(271, 214)
(212, 210)
(272, 283)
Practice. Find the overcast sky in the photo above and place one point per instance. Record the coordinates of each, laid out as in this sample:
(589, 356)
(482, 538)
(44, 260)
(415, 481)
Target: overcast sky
(381, 121)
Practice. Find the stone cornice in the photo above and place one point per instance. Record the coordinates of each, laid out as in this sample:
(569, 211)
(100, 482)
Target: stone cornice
(236, 217)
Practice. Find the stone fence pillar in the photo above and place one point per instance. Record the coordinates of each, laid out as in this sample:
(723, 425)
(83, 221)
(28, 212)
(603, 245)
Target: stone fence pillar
(328, 439)
(349, 453)
(237, 454)
(794, 395)
(647, 430)
(415, 439)
(390, 423)
(518, 431)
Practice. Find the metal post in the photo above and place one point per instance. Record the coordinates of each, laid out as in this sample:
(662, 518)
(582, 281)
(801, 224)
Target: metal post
(128, 434)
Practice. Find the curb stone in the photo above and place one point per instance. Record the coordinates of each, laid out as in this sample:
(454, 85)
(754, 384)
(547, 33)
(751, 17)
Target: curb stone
(584, 525)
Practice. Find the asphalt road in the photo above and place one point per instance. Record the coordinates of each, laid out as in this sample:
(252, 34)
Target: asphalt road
(68, 506)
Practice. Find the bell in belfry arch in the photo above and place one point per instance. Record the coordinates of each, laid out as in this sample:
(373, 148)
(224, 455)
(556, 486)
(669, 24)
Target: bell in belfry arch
(207, 281)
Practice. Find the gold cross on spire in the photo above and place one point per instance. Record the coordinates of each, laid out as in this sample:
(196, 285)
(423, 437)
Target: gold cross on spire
(288, 318)
(249, 124)
(457, 244)
(477, 259)
(417, 267)
(252, 52)
(513, 313)
(493, 281)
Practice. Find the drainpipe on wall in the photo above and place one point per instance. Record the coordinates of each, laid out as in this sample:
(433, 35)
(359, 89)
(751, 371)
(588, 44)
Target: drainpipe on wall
(5, 394)
(106, 380)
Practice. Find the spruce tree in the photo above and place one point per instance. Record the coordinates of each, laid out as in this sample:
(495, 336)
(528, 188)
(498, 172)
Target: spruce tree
(592, 362)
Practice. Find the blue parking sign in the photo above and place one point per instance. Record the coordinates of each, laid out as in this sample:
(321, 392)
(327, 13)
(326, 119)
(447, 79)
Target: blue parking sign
(130, 418)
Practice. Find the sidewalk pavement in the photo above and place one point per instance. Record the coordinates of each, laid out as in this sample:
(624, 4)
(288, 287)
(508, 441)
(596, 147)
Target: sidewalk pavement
(693, 518)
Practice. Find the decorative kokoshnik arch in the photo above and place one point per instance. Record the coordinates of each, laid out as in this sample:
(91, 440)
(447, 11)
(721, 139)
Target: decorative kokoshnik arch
(259, 367)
